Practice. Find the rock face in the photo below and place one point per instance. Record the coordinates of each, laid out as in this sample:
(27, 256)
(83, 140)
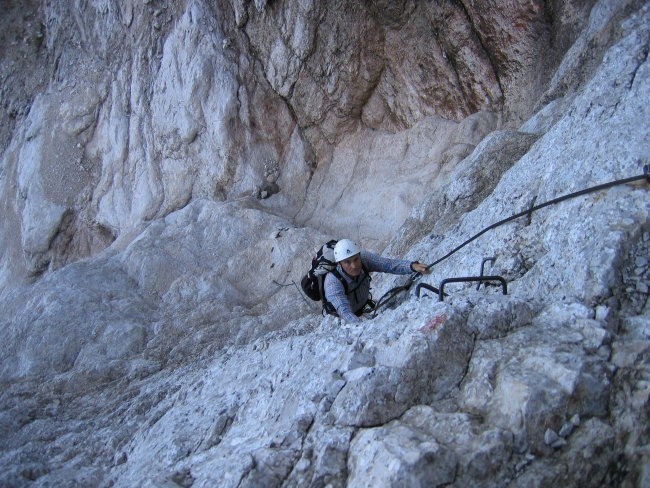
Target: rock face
(129, 112)
(169, 168)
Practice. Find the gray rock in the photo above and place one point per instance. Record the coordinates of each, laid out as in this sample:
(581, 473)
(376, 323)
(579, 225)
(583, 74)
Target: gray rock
(566, 429)
(153, 328)
(399, 456)
(550, 437)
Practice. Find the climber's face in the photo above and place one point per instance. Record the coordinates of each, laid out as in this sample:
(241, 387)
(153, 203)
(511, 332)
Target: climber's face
(352, 265)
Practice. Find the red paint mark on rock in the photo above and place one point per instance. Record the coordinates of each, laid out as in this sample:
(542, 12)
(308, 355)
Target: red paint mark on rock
(434, 323)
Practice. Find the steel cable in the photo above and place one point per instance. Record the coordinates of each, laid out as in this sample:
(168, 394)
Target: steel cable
(394, 291)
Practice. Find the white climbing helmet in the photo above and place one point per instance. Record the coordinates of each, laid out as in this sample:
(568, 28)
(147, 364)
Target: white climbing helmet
(345, 249)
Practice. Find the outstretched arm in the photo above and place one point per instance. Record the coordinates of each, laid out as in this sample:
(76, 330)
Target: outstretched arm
(382, 264)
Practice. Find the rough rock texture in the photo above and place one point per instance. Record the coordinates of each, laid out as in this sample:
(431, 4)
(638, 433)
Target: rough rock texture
(169, 167)
(128, 112)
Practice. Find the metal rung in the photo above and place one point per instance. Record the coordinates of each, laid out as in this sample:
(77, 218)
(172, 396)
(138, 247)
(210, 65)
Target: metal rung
(462, 279)
(427, 286)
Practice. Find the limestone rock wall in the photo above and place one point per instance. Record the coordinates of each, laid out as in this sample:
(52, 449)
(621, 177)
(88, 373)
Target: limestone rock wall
(142, 108)
(169, 168)
(117, 114)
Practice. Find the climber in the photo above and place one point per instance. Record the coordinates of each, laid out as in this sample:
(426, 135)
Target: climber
(347, 287)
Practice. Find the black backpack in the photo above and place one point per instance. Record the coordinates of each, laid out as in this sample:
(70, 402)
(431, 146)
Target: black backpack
(314, 281)
(321, 264)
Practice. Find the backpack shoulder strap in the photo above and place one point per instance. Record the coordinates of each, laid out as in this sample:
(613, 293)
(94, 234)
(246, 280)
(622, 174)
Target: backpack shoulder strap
(328, 308)
(336, 273)
(365, 270)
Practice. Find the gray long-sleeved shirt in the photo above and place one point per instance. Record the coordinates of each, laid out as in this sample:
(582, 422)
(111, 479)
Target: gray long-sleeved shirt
(359, 288)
